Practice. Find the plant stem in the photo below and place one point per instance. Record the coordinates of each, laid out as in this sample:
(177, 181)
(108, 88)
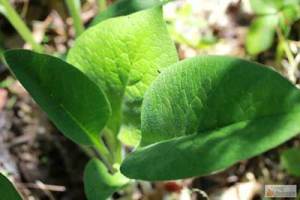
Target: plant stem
(118, 153)
(104, 154)
(288, 54)
(114, 145)
(17, 22)
(102, 5)
(74, 9)
(87, 150)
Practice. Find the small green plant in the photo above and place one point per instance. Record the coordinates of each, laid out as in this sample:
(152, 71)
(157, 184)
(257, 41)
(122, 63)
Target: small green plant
(290, 161)
(273, 17)
(122, 84)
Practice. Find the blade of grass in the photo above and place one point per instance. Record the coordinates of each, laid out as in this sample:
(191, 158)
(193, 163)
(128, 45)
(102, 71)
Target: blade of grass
(74, 9)
(102, 5)
(12, 16)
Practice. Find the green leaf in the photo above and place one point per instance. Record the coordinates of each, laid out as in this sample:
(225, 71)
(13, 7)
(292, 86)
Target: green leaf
(261, 34)
(72, 101)
(264, 7)
(288, 16)
(99, 184)
(290, 160)
(130, 135)
(205, 114)
(7, 189)
(124, 7)
(123, 56)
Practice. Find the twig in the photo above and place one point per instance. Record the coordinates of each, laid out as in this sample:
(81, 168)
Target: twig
(46, 188)
(42, 186)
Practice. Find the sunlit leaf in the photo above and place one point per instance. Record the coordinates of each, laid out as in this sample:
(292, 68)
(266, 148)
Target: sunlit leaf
(204, 114)
(123, 56)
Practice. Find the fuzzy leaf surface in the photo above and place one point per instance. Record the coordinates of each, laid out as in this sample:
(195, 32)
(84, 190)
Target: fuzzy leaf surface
(204, 114)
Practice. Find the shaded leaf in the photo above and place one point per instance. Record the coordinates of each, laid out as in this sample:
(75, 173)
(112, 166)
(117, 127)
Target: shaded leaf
(72, 101)
(99, 184)
(204, 114)
(290, 160)
(123, 55)
(7, 189)
(124, 7)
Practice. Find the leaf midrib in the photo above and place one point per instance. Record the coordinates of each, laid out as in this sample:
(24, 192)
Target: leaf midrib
(240, 121)
(81, 126)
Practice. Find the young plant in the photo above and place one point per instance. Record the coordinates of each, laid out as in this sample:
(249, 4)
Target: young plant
(272, 17)
(122, 81)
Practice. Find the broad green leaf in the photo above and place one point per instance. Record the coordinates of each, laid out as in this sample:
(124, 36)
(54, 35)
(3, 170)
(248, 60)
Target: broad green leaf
(124, 7)
(261, 34)
(290, 160)
(72, 101)
(263, 7)
(99, 184)
(123, 56)
(204, 114)
(7, 189)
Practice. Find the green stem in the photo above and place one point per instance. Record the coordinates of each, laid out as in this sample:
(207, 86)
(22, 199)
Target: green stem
(104, 154)
(17, 22)
(118, 153)
(114, 145)
(88, 151)
(102, 4)
(74, 9)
